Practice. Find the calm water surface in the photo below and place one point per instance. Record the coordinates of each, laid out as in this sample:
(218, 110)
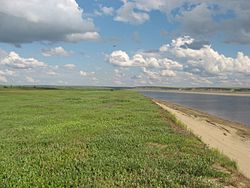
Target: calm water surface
(234, 108)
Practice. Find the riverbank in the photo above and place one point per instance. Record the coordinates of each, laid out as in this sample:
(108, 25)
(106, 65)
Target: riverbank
(231, 138)
(222, 93)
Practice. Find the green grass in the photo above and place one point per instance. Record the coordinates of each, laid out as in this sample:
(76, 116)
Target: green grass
(99, 138)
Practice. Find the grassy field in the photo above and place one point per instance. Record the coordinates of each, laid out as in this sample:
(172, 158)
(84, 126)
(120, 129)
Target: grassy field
(99, 138)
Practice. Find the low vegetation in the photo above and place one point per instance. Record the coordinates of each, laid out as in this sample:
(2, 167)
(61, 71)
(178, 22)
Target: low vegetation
(100, 138)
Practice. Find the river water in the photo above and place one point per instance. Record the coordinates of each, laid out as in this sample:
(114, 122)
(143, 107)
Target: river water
(234, 108)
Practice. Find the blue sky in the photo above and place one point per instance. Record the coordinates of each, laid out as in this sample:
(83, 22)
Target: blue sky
(125, 42)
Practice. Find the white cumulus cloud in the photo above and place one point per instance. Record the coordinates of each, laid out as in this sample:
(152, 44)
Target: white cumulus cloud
(205, 60)
(57, 51)
(75, 37)
(24, 21)
(103, 10)
(202, 18)
(14, 60)
(3, 79)
(127, 13)
(70, 66)
(187, 60)
(30, 79)
(87, 74)
(119, 58)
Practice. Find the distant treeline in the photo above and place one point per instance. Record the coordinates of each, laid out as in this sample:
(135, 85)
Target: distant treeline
(45, 87)
(31, 87)
(197, 88)
(51, 87)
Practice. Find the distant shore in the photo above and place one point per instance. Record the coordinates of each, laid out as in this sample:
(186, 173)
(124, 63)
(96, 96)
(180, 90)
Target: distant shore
(230, 138)
(223, 93)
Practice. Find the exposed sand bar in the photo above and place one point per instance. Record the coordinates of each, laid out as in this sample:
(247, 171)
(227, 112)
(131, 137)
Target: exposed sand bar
(230, 138)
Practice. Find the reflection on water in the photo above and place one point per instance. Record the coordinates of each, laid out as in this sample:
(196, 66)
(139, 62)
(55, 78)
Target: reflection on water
(234, 108)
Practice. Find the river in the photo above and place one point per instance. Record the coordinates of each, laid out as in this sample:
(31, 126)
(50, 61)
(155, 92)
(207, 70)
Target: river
(234, 108)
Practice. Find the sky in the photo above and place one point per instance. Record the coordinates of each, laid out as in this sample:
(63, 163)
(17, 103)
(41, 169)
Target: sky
(176, 43)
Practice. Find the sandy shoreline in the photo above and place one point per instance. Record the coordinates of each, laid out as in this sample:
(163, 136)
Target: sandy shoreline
(199, 92)
(230, 138)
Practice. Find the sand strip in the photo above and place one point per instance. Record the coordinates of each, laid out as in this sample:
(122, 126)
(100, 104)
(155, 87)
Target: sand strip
(230, 138)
